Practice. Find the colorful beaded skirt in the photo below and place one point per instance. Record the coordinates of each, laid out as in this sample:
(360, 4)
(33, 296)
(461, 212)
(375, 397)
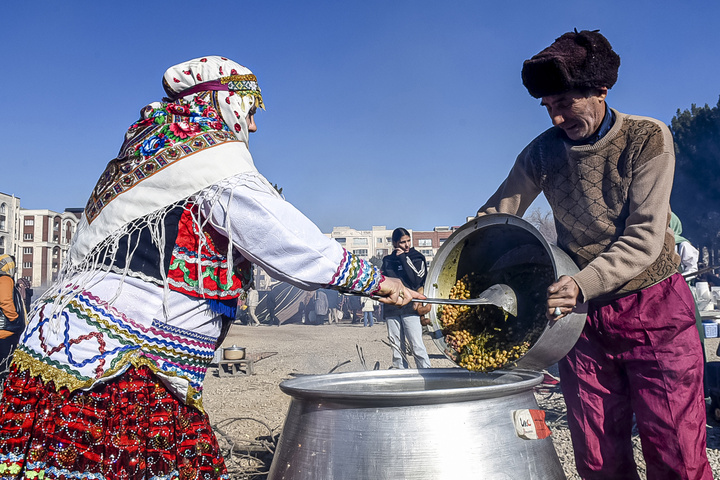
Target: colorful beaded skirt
(129, 428)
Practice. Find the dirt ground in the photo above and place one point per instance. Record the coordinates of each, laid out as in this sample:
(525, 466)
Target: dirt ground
(248, 411)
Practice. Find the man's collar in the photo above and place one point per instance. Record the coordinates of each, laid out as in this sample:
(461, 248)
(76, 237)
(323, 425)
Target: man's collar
(605, 126)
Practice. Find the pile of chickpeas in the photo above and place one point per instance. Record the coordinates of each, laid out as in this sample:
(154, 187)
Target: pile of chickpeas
(482, 337)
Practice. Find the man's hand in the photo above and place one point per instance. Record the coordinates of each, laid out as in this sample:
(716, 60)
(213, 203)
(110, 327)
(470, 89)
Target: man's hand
(394, 292)
(562, 297)
(422, 308)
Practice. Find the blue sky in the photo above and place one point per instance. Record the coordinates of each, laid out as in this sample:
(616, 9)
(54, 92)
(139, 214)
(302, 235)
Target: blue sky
(378, 112)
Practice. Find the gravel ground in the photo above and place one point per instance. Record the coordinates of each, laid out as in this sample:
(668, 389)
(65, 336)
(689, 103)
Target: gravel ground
(248, 411)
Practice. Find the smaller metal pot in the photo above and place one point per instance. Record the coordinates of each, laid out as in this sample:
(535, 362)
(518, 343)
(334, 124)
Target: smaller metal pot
(234, 353)
(505, 248)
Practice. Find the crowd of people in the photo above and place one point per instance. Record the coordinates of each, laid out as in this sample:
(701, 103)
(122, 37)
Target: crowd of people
(151, 283)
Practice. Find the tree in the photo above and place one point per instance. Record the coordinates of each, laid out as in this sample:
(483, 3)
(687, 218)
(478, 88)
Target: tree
(696, 191)
(544, 223)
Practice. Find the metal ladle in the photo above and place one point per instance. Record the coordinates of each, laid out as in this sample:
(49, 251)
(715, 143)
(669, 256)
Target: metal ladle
(500, 295)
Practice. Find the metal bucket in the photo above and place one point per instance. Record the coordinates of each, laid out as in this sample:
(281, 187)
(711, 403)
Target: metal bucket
(411, 424)
(507, 249)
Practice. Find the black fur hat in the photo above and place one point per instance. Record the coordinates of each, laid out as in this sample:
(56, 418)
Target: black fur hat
(575, 60)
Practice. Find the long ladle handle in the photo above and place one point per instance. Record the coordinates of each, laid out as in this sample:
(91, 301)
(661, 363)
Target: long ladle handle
(444, 301)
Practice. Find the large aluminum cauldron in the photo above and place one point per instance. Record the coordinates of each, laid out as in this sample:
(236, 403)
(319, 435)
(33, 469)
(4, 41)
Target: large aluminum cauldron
(411, 424)
(506, 249)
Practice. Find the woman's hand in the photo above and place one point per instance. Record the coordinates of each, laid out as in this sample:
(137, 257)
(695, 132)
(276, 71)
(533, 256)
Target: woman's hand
(562, 297)
(394, 292)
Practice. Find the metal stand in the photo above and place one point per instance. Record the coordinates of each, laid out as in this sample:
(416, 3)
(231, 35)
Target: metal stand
(235, 367)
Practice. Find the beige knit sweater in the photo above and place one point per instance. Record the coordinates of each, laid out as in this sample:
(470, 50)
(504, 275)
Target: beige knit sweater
(610, 200)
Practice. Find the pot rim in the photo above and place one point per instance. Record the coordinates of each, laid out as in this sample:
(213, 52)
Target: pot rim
(498, 383)
(558, 336)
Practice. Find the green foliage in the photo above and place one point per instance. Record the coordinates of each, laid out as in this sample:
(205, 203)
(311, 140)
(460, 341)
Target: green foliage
(696, 191)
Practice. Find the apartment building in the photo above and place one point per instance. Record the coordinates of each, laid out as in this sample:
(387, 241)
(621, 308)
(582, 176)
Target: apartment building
(364, 243)
(378, 241)
(42, 243)
(9, 214)
(428, 243)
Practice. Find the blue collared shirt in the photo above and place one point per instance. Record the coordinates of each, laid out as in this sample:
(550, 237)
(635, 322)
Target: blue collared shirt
(605, 126)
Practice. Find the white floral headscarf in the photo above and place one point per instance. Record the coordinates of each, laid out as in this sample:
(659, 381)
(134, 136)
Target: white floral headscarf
(236, 88)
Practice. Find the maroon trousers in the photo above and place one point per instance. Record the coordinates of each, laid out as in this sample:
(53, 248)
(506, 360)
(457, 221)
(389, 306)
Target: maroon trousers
(639, 354)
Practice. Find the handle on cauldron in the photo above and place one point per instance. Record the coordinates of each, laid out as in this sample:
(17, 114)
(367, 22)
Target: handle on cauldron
(700, 272)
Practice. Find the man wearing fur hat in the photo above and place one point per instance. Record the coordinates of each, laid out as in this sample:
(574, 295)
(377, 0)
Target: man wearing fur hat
(607, 176)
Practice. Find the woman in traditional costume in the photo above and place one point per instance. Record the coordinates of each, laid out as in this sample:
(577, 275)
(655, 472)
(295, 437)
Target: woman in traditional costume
(107, 379)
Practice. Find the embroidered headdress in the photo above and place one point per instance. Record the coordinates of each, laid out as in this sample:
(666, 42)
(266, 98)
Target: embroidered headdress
(236, 86)
(193, 139)
(168, 146)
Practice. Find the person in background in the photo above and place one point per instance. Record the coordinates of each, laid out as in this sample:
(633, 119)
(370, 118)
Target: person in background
(13, 319)
(608, 176)
(252, 300)
(403, 323)
(354, 306)
(368, 306)
(322, 309)
(241, 315)
(271, 307)
(689, 255)
(336, 305)
(23, 284)
(107, 380)
(379, 315)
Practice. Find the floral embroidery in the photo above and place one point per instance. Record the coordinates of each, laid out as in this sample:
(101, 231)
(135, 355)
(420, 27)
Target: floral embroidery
(199, 264)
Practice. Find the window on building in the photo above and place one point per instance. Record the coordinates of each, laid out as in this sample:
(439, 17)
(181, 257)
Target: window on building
(425, 242)
(381, 252)
(360, 241)
(27, 250)
(29, 221)
(2, 245)
(427, 252)
(388, 239)
(2, 207)
(27, 264)
(2, 223)
(28, 236)
(442, 240)
(362, 252)
(340, 239)
(379, 240)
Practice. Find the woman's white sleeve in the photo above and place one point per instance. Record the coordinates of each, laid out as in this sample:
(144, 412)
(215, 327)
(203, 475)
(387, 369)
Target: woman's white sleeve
(272, 233)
